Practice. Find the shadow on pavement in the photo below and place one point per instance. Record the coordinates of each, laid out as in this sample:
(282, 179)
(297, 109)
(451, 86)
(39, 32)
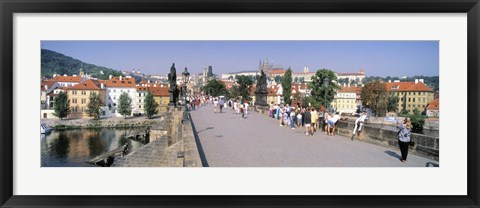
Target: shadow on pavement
(205, 129)
(393, 154)
(203, 157)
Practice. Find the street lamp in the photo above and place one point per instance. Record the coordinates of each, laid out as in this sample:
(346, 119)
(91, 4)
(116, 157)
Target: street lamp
(185, 74)
(325, 85)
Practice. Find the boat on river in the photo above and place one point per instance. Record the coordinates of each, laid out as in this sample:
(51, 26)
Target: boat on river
(44, 129)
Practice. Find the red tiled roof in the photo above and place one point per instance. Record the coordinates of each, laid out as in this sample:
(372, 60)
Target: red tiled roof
(348, 89)
(407, 86)
(277, 71)
(433, 105)
(67, 78)
(47, 83)
(124, 82)
(86, 85)
(159, 91)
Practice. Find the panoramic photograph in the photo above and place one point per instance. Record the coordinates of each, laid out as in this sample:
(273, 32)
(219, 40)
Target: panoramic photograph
(290, 103)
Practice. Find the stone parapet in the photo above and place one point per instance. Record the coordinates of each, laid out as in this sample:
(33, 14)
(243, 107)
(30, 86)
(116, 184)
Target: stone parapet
(426, 146)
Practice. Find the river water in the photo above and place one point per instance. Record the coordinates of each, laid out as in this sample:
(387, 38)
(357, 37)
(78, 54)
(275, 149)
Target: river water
(71, 148)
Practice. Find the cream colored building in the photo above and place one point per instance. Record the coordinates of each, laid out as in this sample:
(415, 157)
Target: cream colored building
(345, 100)
(79, 96)
(412, 95)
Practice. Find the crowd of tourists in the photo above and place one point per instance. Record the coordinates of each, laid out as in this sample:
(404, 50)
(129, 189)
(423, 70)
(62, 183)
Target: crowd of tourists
(304, 117)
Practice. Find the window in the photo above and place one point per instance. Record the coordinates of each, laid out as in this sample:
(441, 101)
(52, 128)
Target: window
(409, 100)
(74, 92)
(140, 100)
(84, 101)
(139, 106)
(408, 105)
(409, 93)
(423, 99)
(139, 94)
(84, 92)
(414, 93)
(413, 99)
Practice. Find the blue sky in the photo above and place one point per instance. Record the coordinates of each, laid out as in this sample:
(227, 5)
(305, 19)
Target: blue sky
(377, 58)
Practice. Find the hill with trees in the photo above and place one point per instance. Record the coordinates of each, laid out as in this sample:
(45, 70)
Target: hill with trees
(56, 63)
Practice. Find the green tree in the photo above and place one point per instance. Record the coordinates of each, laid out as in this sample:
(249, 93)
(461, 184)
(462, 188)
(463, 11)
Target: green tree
(321, 94)
(277, 79)
(234, 92)
(94, 105)
(244, 86)
(150, 106)
(287, 85)
(125, 105)
(392, 103)
(214, 88)
(417, 121)
(61, 105)
(375, 97)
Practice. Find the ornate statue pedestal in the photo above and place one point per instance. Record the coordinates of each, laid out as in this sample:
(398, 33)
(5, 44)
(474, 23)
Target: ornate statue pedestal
(172, 100)
(261, 99)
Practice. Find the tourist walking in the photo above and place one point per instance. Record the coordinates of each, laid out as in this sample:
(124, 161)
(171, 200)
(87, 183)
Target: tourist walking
(292, 119)
(246, 107)
(404, 134)
(314, 115)
(280, 115)
(299, 118)
(220, 104)
(242, 110)
(307, 120)
(215, 105)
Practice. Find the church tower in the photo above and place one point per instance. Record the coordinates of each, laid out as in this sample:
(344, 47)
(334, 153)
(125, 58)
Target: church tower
(204, 77)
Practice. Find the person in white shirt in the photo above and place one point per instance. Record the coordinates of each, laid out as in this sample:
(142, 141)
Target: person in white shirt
(215, 105)
(359, 122)
(331, 124)
(245, 107)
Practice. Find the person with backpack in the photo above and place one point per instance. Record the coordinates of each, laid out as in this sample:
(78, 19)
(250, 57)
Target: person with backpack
(404, 134)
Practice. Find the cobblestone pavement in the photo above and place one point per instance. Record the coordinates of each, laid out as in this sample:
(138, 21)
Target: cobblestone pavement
(259, 141)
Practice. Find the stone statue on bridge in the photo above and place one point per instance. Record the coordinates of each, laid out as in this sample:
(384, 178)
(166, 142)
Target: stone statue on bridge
(262, 90)
(172, 79)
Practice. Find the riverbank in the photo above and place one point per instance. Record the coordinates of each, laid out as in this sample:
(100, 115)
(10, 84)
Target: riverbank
(88, 123)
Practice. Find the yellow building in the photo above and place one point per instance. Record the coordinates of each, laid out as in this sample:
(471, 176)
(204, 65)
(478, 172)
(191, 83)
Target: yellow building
(412, 95)
(345, 100)
(79, 97)
(161, 97)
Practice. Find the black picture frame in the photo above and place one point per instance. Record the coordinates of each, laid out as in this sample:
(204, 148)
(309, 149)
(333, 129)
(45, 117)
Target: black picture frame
(10, 7)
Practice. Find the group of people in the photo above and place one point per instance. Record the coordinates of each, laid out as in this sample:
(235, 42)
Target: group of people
(307, 117)
(312, 120)
(238, 106)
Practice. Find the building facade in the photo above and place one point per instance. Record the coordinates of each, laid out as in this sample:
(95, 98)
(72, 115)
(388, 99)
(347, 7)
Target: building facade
(79, 96)
(412, 95)
(344, 101)
(116, 86)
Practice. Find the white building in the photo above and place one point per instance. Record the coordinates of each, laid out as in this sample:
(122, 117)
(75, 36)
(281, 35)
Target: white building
(67, 81)
(235, 74)
(351, 76)
(345, 100)
(114, 87)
